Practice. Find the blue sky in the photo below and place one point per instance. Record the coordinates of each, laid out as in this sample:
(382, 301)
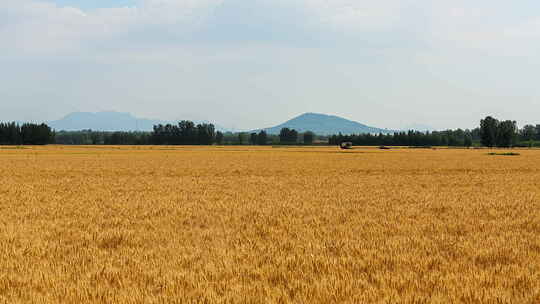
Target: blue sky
(254, 63)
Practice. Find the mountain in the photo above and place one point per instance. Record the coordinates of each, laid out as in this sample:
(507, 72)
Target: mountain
(103, 121)
(108, 121)
(323, 124)
(115, 121)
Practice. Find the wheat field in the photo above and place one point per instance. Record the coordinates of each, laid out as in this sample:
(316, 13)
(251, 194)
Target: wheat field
(268, 225)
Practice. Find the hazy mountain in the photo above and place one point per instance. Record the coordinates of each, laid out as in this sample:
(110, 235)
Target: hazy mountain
(325, 125)
(103, 121)
(107, 121)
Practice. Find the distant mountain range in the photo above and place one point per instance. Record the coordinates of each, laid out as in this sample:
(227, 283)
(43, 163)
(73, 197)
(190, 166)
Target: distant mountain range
(323, 124)
(108, 121)
(320, 124)
(103, 121)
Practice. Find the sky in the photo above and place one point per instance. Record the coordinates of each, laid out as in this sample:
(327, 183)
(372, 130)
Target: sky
(249, 64)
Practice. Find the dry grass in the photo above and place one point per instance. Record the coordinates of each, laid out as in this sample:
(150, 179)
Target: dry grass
(252, 225)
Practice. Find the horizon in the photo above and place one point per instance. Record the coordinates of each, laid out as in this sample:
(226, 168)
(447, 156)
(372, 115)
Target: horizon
(242, 64)
(289, 123)
(418, 127)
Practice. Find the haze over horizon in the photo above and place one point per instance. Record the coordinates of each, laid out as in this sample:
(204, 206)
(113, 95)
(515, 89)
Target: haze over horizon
(246, 64)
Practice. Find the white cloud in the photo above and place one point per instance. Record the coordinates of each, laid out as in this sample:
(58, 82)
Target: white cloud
(36, 26)
(408, 57)
(42, 27)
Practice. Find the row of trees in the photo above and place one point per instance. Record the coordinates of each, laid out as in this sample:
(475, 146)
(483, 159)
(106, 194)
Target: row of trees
(455, 138)
(89, 137)
(498, 133)
(495, 133)
(491, 133)
(260, 138)
(185, 133)
(529, 133)
(288, 136)
(25, 134)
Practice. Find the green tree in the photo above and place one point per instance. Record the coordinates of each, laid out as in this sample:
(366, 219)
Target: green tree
(25, 134)
(288, 136)
(205, 134)
(309, 137)
(219, 137)
(506, 133)
(95, 137)
(528, 133)
(467, 141)
(293, 136)
(253, 138)
(488, 131)
(284, 135)
(262, 138)
(241, 138)
(184, 134)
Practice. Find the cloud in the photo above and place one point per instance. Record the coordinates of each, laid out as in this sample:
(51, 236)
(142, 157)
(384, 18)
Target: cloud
(407, 57)
(40, 26)
(35, 26)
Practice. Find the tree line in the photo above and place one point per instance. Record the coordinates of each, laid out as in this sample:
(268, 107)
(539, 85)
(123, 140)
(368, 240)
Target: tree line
(186, 133)
(495, 133)
(26, 134)
(90, 137)
(183, 133)
(453, 138)
(491, 133)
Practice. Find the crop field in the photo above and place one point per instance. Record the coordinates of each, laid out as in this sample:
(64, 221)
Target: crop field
(268, 225)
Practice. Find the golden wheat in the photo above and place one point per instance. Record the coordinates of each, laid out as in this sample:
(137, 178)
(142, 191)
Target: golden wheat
(268, 225)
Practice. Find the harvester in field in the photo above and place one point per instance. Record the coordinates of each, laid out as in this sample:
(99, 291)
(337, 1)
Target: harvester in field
(346, 145)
